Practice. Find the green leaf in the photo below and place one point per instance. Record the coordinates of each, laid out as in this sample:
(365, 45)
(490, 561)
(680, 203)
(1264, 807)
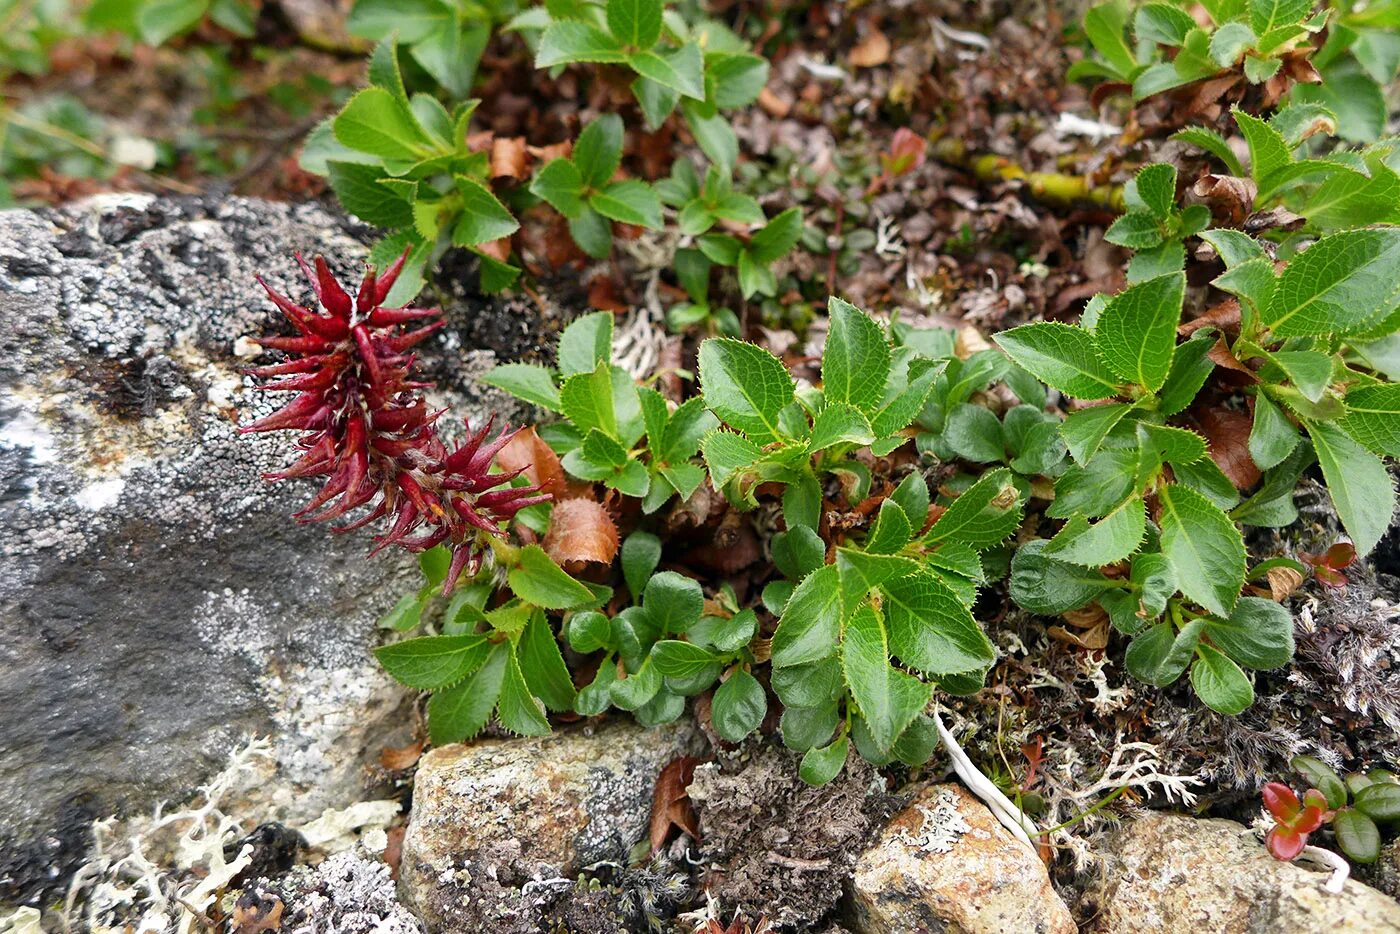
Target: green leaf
(538, 580)
(597, 697)
(589, 631)
(1230, 42)
(810, 685)
(890, 532)
(888, 699)
(1320, 776)
(821, 765)
(1136, 332)
(1158, 655)
(1265, 15)
(1258, 634)
(811, 622)
(738, 78)
(738, 706)
(805, 728)
(973, 433)
(637, 688)
(673, 601)
(543, 666)
(525, 381)
(159, 20)
(1153, 189)
(1219, 682)
(574, 41)
(586, 343)
(1357, 481)
(1061, 355)
(1309, 370)
(1213, 143)
(1105, 26)
(1156, 580)
(1136, 230)
(745, 386)
(1085, 429)
(912, 496)
(360, 193)
(856, 359)
(518, 710)
(839, 423)
(1268, 152)
(1339, 285)
(986, 513)
(483, 217)
(1162, 23)
(680, 69)
(598, 150)
(687, 426)
(1357, 835)
(460, 712)
(714, 135)
(777, 237)
(636, 23)
(432, 662)
(1380, 801)
(630, 202)
(1042, 584)
(1204, 547)
(592, 232)
(930, 629)
(373, 121)
(561, 185)
(1111, 539)
(860, 572)
(676, 659)
(1272, 436)
(1373, 417)
(726, 454)
(641, 553)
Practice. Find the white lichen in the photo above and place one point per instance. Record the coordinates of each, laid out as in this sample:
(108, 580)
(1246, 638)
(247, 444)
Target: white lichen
(941, 826)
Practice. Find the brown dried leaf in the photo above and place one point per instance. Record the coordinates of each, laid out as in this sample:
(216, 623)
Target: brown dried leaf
(773, 105)
(528, 450)
(873, 49)
(508, 157)
(1230, 199)
(1227, 434)
(396, 759)
(498, 250)
(670, 803)
(580, 531)
(255, 915)
(1224, 315)
(1283, 581)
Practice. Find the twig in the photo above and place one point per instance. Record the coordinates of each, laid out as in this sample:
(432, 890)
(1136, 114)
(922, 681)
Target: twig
(980, 785)
(1054, 188)
(1341, 870)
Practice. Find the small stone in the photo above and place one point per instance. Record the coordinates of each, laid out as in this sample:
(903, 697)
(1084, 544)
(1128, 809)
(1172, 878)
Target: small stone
(945, 864)
(497, 822)
(1167, 873)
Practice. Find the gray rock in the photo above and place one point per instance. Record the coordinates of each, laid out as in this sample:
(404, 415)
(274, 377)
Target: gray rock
(945, 864)
(498, 825)
(1166, 873)
(156, 603)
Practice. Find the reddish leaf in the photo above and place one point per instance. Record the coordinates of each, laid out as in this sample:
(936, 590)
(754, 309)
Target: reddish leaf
(396, 759)
(580, 531)
(1285, 844)
(670, 804)
(1281, 801)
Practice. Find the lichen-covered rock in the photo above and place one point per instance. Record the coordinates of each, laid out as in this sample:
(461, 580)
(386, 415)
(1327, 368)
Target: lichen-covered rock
(1167, 873)
(945, 864)
(347, 894)
(498, 824)
(776, 846)
(156, 603)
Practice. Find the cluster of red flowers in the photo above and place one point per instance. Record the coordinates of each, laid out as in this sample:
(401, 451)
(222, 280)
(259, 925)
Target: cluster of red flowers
(369, 433)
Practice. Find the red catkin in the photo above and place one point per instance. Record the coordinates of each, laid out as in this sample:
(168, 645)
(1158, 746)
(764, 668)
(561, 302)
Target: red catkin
(365, 429)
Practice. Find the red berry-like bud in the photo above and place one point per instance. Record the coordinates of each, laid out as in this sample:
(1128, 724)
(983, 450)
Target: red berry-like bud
(371, 436)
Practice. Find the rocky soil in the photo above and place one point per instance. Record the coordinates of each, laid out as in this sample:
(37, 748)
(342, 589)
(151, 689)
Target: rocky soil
(156, 605)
